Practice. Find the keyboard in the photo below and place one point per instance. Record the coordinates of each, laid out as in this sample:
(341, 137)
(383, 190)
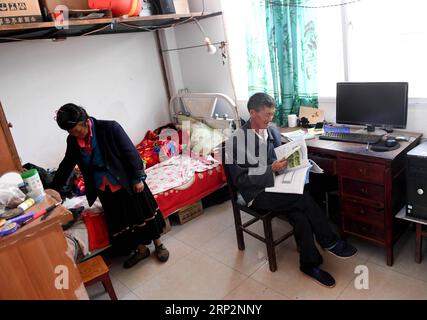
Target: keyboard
(351, 137)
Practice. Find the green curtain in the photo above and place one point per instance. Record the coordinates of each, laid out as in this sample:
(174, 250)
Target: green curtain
(282, 54)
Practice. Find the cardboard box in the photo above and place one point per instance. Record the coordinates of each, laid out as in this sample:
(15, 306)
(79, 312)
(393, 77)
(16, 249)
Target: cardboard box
(19, 11)
(313, 115)
(189, 212)
(50, 5)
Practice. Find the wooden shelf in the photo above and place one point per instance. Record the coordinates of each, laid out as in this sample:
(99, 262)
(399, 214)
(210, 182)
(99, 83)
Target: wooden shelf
(48, 30)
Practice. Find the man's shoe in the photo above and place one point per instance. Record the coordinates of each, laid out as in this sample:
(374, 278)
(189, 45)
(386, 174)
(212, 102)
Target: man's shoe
(162, 253)
(136, 257)
(343, 250)
(321, 277)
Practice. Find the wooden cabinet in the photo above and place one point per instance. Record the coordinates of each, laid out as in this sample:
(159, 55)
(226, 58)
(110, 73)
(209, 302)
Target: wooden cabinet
(34, 262)
(371, 187)
(9, 159)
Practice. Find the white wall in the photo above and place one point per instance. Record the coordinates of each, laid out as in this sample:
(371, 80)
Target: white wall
(202, 72)
(198, 71)
(114, 76)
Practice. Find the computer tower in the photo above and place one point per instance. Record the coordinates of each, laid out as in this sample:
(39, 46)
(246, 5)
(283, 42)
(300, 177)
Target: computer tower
(416, 179)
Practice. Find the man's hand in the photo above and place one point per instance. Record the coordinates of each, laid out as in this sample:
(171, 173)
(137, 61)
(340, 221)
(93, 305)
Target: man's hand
(279, 165)
(139, 187)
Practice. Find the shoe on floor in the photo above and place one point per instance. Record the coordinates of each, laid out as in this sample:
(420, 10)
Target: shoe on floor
(162, 253)
(321, 277)
(343, 250)
(136, 257)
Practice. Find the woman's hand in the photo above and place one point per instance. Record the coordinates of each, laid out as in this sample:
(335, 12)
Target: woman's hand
(279, 165)
(139, 187)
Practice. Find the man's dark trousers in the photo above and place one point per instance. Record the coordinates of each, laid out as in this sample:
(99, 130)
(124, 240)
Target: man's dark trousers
(306, 217)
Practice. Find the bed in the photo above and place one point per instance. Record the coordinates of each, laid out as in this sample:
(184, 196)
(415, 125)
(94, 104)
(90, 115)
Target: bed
(190, 176)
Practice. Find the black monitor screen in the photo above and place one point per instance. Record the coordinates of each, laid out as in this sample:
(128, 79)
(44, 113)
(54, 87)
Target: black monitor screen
(372, 103)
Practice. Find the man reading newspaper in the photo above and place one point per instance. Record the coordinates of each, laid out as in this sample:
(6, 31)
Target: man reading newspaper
(253, 165)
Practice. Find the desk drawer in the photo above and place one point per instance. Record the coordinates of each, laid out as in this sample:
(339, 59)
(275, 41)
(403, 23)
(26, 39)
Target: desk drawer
(363, 213)
(328, 164)
(368, 191)
(364, 229)
(369, 172)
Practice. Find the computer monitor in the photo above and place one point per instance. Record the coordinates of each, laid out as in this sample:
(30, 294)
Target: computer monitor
(374, 104)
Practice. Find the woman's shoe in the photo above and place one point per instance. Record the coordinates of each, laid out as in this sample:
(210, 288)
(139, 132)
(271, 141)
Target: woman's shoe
(162, 253)
(136, 257)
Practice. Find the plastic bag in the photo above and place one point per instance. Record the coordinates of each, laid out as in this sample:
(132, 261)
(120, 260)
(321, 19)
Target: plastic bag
(10, 196)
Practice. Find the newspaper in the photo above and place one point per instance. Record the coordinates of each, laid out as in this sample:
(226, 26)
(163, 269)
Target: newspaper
(295, 176)
(297, 134)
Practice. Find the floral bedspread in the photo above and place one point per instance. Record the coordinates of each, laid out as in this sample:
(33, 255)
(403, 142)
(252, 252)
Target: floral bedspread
(177, 171)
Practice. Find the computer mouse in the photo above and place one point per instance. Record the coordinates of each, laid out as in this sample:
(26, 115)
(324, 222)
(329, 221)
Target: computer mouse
(401, 138)
(390, 142)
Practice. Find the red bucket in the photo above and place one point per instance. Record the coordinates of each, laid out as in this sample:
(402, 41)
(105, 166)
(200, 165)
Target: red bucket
(118, 7)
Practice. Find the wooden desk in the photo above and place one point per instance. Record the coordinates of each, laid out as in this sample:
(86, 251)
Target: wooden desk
(33, 260)
(371, 186)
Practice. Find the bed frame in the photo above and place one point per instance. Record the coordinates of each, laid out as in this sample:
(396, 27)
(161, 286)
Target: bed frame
(215, 109)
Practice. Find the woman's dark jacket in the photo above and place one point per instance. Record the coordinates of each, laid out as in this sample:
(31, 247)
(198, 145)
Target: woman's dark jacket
(120, 157)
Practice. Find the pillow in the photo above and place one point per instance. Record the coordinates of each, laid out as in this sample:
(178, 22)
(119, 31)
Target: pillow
(204, 139)
(181, 118)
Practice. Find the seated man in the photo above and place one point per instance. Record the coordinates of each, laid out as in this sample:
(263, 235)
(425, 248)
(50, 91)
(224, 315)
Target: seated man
(252, 169)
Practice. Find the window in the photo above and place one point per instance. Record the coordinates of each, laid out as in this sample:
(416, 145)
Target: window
(386, 41)
(330, 64)
(366, 40)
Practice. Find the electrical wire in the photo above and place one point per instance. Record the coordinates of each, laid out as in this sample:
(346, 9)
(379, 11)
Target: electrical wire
(95, 31)
(136, 27)
(196, 46)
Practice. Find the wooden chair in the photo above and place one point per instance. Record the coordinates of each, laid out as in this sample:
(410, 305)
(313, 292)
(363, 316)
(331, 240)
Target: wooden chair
(94, 270)
(266, 217)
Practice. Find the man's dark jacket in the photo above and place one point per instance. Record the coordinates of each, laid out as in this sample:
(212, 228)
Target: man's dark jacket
(252, 175)
(120, 157)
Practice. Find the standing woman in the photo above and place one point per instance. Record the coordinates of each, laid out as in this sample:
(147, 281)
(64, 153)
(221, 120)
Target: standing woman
(113, 171)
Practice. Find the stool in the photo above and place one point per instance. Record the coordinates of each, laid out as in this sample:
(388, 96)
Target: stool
(94, 270)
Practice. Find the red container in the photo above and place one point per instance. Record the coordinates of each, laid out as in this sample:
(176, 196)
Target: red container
(118, 7)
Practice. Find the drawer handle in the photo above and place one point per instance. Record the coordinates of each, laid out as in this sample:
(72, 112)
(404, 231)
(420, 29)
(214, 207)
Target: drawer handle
(364, 229)
(362, 211)
(364, 190)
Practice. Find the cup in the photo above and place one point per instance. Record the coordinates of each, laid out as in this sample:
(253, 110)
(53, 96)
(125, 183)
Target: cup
(292, 120)
(34, 183)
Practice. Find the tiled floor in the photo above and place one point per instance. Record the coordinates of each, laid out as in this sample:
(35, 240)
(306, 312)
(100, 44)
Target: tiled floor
(206, 264)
